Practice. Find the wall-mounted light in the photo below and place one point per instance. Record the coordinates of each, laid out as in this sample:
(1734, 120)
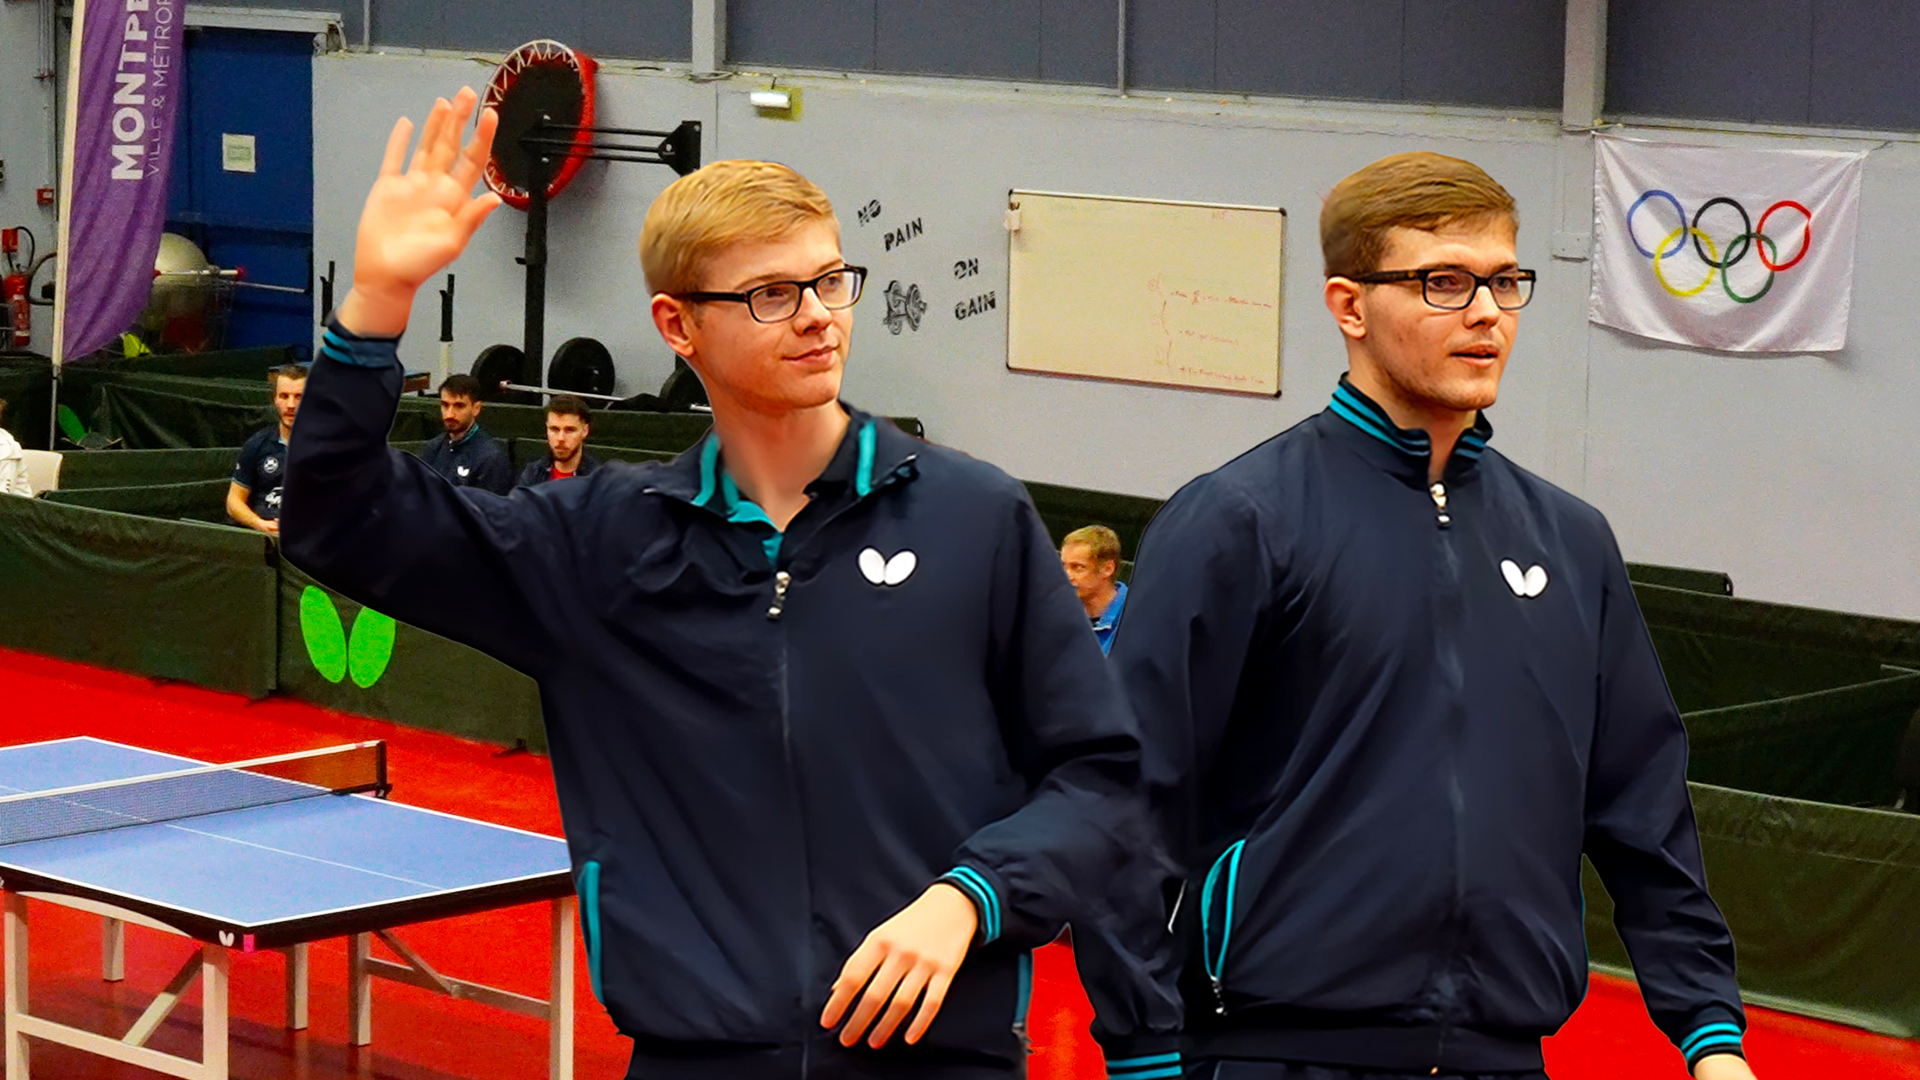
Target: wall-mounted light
(776, 103)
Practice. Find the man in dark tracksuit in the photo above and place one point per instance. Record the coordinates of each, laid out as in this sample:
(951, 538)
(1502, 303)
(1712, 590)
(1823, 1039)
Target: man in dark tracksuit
(1391, 687)
(464, 454)
(830, 756)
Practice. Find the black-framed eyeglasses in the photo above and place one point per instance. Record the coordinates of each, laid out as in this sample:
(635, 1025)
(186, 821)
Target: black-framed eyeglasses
(778, 301)
(1450, 288)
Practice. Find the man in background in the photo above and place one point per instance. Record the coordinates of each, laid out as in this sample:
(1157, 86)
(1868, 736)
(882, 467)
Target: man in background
(568, 423)
(1091, 556)
(253, 499)
(465, 454)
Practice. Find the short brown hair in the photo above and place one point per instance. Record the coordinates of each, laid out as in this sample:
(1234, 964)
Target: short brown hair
(568, 405)
(1419, 190)
(717, 206)
(1102, 542)
(285, 371)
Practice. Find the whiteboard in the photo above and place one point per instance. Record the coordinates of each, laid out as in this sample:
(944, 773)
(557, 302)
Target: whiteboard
(1144, 290)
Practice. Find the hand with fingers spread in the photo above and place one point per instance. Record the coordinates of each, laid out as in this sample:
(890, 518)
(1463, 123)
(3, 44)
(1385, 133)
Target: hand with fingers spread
(913, 955)
(418, 219)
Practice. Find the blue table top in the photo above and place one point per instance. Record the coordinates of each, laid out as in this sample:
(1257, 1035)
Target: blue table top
(285, 863)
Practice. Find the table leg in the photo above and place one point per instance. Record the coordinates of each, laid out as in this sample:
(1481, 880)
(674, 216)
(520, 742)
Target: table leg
(16, 983)
(560, 992)
(359, 990)
(297, 968)
(113, 949)
(214, 966)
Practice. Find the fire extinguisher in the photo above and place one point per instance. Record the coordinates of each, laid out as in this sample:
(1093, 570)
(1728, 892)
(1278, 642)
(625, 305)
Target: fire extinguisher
(13, 287)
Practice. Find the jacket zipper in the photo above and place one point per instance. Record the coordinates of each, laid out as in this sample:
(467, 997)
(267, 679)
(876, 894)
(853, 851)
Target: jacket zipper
(782, 582)
(1456, 798)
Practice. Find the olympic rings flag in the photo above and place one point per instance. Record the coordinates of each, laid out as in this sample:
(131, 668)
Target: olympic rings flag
(1724, 248)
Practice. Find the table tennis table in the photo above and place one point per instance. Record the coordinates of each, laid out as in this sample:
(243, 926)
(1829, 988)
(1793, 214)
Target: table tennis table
(112, 830)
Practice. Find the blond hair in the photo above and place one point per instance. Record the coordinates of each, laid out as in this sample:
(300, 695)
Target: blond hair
(1101, 542)
(717, 206)
(1419, 190)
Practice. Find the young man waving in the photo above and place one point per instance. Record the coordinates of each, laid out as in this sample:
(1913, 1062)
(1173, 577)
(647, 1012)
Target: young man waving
(1393, 686)
(833, 745)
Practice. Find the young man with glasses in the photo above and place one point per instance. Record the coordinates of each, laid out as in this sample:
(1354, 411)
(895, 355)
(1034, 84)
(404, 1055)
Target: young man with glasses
(1391, 688)
(833, 746)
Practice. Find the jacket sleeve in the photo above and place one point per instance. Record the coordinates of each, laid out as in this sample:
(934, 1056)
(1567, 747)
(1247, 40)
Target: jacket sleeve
(1068, 733)
(1641, 836)
(386, 530)
(1200, 590)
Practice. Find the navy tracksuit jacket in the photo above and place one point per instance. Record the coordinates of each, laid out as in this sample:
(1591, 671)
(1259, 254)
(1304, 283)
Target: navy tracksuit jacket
(764, 745)
(1383, 719)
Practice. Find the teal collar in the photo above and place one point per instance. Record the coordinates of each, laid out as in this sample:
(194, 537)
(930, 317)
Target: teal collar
(1409, 445)
(715, 480)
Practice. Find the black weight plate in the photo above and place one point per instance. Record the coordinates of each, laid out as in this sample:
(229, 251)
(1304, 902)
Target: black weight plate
(582, 365)
(502, 363)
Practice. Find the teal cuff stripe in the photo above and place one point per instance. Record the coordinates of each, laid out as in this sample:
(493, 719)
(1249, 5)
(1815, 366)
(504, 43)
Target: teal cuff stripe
(1143, 1062)
(1167, 1072)
(863, 476)
(369, 353)
(1714, 1033)
(980, 901)
(1718, 1042)
(984, 894)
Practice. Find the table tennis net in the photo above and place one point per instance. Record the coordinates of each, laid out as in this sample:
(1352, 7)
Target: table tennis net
(192, 793)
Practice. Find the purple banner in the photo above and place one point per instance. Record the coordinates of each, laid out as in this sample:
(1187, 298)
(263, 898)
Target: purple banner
(127, 82)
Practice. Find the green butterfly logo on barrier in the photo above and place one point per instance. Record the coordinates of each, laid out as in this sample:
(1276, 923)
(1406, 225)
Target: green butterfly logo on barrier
(364, 657)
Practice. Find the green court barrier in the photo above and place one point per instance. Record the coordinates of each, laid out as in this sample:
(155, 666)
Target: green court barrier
(168, 599)
(196, 500)
(1713, 582)
(130, 468)
(340, 655)
(1821, 900)
(26, 382)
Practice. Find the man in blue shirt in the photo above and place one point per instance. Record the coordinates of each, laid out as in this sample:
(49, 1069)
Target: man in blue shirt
(465, 454)
(1091, 556)
(253, 499)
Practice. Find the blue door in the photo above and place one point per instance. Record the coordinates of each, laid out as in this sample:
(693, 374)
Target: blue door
(242, 185)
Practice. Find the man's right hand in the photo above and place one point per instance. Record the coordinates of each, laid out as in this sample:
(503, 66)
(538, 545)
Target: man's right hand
(418, 220)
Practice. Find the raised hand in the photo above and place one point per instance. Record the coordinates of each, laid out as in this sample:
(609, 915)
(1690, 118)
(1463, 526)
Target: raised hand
(418, 219)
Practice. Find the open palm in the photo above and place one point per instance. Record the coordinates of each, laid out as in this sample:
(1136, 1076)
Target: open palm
(417, 220)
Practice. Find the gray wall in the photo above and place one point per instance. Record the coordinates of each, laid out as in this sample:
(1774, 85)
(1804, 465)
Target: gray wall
(1797, 474)
(25, 119)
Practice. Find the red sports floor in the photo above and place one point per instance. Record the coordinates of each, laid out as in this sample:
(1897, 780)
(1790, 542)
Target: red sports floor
(420, 1036)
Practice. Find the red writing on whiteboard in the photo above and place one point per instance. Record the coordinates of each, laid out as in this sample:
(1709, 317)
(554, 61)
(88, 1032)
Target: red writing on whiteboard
(1201, 296)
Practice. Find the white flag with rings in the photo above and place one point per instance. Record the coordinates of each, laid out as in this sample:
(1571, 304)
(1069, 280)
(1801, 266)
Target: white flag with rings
(1724, 248)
